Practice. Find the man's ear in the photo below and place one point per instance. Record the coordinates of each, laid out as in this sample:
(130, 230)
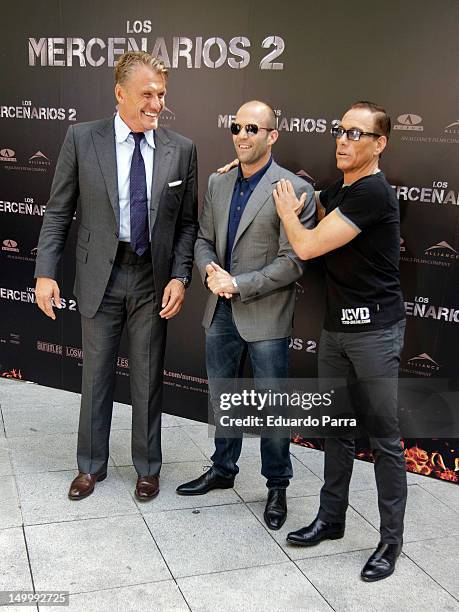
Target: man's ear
(380, 145)
(119, 92)
(272, 137)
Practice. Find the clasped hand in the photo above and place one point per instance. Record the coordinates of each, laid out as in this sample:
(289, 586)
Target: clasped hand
(219, 281)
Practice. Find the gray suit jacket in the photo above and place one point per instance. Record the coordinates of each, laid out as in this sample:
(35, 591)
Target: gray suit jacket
(262, 259)
(86, 173)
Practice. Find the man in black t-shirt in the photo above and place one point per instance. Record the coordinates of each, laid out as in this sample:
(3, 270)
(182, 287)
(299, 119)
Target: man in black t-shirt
(363, 278)
(359, 236)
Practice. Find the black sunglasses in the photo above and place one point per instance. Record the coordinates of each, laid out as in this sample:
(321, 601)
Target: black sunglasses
(352, 134)
(250, 128)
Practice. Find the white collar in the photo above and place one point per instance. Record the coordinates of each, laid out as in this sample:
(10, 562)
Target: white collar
(123, 131)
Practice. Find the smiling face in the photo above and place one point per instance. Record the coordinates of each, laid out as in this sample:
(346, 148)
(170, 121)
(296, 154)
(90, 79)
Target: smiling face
(254, 150)
(359, 158)
(141, 98)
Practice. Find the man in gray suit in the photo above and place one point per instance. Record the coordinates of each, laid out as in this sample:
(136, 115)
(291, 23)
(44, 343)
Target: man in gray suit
(246, 261)
(136, 186)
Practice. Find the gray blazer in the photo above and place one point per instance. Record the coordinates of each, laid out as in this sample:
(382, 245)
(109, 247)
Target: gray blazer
(262, 259)
(86, 173)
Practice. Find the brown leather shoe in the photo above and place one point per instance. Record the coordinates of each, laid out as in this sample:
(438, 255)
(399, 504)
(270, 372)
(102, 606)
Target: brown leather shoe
(147, 487)
(83, 485)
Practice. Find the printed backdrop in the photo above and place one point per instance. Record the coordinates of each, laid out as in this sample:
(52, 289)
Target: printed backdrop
(310, 61)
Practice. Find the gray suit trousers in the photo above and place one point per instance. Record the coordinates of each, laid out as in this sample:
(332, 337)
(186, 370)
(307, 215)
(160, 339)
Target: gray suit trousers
(130, 301)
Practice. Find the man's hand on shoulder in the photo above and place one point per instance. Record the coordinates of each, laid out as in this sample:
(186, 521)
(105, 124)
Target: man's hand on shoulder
(286, 201)
(47, 290)
(227, 167)
(173, 297)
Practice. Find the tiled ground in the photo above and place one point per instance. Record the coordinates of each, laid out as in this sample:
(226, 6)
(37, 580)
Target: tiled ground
(202, 553)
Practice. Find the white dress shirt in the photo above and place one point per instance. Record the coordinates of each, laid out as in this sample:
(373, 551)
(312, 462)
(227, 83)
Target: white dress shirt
(124, 150)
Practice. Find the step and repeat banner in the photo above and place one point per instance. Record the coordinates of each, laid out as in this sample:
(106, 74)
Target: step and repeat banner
(309, 61)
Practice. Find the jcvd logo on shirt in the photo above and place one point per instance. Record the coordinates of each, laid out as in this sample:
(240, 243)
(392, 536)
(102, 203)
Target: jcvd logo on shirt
(355, 316)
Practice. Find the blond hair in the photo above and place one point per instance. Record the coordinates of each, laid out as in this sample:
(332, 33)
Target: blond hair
(130, 60)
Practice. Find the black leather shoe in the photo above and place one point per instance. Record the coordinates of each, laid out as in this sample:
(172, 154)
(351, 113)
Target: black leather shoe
(381, 564)
(276, 508)
(205, 483)
(317, 531)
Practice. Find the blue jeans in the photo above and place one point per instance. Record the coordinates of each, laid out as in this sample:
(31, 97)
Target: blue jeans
(225, 355)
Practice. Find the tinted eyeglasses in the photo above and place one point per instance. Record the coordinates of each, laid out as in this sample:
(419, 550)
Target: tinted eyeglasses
(250, 129)
(352, 134)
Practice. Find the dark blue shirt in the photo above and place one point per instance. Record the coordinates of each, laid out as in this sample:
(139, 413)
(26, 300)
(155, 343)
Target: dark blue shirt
(243, 189)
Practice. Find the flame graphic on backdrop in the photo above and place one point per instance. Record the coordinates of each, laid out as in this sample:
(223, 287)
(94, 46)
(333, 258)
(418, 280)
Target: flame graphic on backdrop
(418, 460)
(12, 374)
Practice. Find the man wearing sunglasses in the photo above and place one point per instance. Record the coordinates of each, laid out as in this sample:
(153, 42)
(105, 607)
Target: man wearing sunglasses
(359, 236)
(249, 267)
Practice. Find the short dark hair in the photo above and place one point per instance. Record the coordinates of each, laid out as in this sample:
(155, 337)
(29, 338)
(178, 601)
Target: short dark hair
(382, 119)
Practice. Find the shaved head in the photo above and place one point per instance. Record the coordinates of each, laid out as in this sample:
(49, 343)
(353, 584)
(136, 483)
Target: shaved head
(253, 148)
(262, 110)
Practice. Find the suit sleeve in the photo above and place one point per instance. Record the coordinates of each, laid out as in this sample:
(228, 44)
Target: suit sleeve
(187, 224)
(60, 210)
(204, 250)
(286, 268)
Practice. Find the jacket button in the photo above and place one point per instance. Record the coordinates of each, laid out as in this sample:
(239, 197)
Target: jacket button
(117, 235)
(110, 261)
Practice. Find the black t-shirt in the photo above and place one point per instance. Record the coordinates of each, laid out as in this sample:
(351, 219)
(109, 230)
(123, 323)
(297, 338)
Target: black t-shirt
(363, 279)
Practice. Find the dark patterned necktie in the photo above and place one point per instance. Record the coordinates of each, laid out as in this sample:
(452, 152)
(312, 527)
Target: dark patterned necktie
(138, 199)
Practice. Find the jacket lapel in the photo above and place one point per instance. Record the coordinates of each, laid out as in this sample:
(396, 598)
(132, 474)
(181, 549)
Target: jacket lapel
(104, 144)
(222, 214)
(163, 155)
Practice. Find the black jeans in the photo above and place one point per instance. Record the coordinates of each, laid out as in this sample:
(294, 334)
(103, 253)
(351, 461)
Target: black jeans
(370, 355)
